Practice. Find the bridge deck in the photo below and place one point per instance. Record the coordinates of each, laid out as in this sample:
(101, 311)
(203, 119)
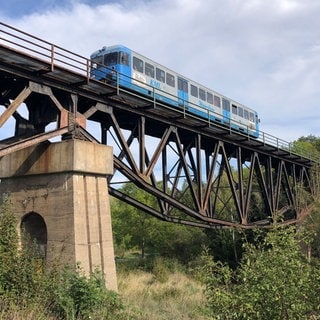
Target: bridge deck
(77, 79)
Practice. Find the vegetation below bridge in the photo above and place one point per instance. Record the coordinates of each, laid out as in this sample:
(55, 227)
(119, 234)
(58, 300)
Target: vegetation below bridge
(168, 271)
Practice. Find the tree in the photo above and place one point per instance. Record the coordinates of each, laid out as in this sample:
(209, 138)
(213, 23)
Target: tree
(131, 227)
(312, 140)
(308, 146)
(135, 229)
(274, 281)
(226, 245)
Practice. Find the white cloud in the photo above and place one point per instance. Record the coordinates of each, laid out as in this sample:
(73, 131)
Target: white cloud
(265, 54)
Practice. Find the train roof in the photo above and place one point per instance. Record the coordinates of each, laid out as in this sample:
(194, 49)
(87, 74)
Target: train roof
(110, 48)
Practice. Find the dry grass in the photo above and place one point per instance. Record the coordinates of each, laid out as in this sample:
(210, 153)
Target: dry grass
(179, 298)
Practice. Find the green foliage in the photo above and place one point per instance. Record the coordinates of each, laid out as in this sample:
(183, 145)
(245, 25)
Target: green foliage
(217, 278)
(77, 296)
(274, 281)
(8, 231)
(26, 283)
(308, 146)
(226, 245)
(21, 271)
(8, 246)
(312, 225)
(178, 241)
(133, 229)
(161, 269)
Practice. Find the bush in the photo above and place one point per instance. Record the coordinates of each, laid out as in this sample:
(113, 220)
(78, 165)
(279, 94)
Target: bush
(60, 292)
(8, 248)
(274, 281)
(77, 296)
(160, 269)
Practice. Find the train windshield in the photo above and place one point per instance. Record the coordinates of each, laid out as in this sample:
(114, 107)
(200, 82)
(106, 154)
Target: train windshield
(111, 59)
(119, 57)
(97, 59)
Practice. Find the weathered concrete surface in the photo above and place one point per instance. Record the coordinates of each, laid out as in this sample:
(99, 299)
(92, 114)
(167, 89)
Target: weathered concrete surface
(66, 156)
(66, 183)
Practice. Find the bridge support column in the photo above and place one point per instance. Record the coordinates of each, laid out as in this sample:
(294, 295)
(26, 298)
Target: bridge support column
(65, 183)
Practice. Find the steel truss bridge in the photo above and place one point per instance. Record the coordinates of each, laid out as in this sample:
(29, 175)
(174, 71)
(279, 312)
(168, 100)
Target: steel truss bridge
(192, 171)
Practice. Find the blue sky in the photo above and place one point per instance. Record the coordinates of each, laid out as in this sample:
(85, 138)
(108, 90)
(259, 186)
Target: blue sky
(264, 54)
(19, 8)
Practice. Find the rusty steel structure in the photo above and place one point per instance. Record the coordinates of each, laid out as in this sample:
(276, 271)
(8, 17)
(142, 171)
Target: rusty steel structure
(191, 171)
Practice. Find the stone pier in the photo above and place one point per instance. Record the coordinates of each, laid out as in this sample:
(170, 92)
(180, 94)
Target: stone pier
(59, 193)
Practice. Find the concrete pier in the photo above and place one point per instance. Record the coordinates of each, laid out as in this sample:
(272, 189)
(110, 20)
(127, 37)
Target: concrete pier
(59, 192)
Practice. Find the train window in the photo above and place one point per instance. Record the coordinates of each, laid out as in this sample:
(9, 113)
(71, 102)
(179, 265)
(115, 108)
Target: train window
(226, 104)
(170, 79)
(246, 114)
(183, 85)
(111, 58)
(137, 64)
(124, 58)
(251, 116)
(202, 94)
(149, 70)
(210, 97)
(194, 90)
(160, 75)
(240, 112)
(234, 109)
(217, 101)
(97, 60)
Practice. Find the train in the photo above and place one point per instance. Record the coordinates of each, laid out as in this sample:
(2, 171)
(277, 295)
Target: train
(130, 70)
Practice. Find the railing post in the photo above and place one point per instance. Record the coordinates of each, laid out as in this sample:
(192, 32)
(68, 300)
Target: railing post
(118, 83)
(88, 70)
(52, 58)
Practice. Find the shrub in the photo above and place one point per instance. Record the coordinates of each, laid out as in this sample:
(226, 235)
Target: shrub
(77, 296)
(59, 292)
(274, 281)
(8, 248)
(160, 269)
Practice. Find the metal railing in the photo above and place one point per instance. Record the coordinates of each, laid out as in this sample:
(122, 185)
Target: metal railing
(44, 51)
(56, 56)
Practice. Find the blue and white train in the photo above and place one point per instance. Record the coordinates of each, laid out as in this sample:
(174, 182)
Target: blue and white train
(119, 64)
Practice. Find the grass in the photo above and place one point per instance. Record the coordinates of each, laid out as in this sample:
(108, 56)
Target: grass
(34, 312)
(178, 298)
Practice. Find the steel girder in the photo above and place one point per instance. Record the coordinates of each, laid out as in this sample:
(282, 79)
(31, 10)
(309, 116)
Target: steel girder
(203, 181)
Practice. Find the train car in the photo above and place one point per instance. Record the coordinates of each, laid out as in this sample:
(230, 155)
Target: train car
(130, 70)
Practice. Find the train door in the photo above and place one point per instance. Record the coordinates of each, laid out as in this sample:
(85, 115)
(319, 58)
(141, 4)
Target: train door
(257, 120)
(226, 111)
(183, 96)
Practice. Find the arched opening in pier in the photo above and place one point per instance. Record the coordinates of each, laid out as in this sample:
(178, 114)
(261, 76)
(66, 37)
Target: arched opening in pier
(34, 231)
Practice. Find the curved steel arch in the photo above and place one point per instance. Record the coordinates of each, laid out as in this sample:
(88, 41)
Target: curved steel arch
(205, 167)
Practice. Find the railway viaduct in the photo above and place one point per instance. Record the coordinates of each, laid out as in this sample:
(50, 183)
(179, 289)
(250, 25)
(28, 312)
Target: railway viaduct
(68, 141)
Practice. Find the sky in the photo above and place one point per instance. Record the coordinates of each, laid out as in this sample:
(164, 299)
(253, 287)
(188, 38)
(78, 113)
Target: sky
(263, 54)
